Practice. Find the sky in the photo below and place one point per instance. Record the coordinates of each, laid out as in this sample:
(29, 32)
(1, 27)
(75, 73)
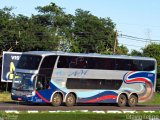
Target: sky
(138, 18)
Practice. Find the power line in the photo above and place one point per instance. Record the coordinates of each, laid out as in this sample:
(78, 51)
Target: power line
(138, 38)
(133, 39)
(131, 45)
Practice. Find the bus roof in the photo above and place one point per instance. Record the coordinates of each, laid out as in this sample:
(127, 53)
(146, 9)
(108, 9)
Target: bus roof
(46, 53)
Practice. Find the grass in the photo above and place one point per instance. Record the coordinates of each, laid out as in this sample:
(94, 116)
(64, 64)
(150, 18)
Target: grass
(5, 97)
(155, 100)
(78, 116)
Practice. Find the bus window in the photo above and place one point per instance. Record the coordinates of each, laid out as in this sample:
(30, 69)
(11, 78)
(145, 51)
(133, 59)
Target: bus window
(104, 63)
(45, 71)
(76, 83)
(42, 83)
(109, 64)
(90, 63)
(81, 62)
(72, 62)
(30, 62)
(136, 65)
(148, 65)
(63, 62)
(122, 64)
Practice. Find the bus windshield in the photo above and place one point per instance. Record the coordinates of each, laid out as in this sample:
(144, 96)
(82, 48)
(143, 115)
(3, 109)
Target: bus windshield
(29, 62)
(24, 82)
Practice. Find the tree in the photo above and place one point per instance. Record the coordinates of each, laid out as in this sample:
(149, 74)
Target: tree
(153, 50)
(122, 50)
(135, 53)
(57, 24)
(53, 29)
(92, 34)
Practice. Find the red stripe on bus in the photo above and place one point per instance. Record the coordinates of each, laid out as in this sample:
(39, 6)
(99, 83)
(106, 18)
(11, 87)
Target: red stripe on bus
(102, 98)
(142, 80)
(44, 99)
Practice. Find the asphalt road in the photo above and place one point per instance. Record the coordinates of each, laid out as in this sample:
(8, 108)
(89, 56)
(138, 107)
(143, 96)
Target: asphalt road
(21, 106)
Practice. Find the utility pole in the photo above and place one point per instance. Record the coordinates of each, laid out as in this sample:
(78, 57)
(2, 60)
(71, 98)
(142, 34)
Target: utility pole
(115, 43)
(148, 40)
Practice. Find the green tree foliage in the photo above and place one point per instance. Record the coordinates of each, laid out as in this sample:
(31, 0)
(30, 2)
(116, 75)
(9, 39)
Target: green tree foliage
(122, 50)
(58, 25)
(92, 34)
(153, 50)
(135, 53)
(7, 29)
(53, 29)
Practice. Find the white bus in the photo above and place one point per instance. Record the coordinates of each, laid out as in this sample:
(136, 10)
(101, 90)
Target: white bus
(70, 78)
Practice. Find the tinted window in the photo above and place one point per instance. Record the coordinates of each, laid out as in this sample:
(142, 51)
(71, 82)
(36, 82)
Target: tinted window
(122, 64)
(86, 63)
(30, 62)
(142, 65)
(48, 62)
(47, 67)
(72, 62)
(105, 63)
(148, 65)
(75, 83)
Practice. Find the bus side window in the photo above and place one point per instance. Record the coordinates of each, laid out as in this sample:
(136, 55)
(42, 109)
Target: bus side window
(148, 65)
(81, 63)
(63, 62)
(90, 63)
(136, 65)
(72, 62)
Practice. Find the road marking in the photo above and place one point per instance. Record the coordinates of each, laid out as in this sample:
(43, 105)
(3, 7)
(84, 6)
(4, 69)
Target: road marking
(52, 111)
(114, 111)
(98, 112)
(129, 111)
(83, 110)
(32, 111)
(12, 111)
(149, 111)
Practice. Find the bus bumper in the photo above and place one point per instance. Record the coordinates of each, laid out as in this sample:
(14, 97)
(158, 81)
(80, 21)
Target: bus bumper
(21, 98)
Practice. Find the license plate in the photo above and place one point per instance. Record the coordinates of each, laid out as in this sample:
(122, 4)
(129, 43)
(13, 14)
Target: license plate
(19, 98)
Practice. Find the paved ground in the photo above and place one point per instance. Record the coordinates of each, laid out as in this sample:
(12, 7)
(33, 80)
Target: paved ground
(91, 107)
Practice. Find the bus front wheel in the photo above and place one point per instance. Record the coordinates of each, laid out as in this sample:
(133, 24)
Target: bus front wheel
(57, 99)
(70, 100)
(122, 100)
(132, 101)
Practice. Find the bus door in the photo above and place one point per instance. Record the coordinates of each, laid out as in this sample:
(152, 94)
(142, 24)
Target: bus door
(45, 73)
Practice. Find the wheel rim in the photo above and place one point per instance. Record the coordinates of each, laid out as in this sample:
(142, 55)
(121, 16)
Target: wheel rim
(122, 101)
(56, 99)
(70, 99)
(132, 101)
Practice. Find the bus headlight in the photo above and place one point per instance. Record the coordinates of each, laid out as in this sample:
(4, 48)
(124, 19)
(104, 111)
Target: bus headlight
(12, 93)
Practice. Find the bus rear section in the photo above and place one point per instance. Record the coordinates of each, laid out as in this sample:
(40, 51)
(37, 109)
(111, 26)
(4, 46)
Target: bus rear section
(122, 80)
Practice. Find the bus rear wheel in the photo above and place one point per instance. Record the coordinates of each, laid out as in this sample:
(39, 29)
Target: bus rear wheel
(70, 100)
(122, 100)
(56, 100)
(132, 101)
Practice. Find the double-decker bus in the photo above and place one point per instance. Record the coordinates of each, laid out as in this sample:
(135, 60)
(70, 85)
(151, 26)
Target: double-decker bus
(70, 78)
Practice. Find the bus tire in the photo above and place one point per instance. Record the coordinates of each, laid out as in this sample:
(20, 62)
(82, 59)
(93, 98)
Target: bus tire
(132, 101)
(70, 100)
(122, 100)
(56, 100)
